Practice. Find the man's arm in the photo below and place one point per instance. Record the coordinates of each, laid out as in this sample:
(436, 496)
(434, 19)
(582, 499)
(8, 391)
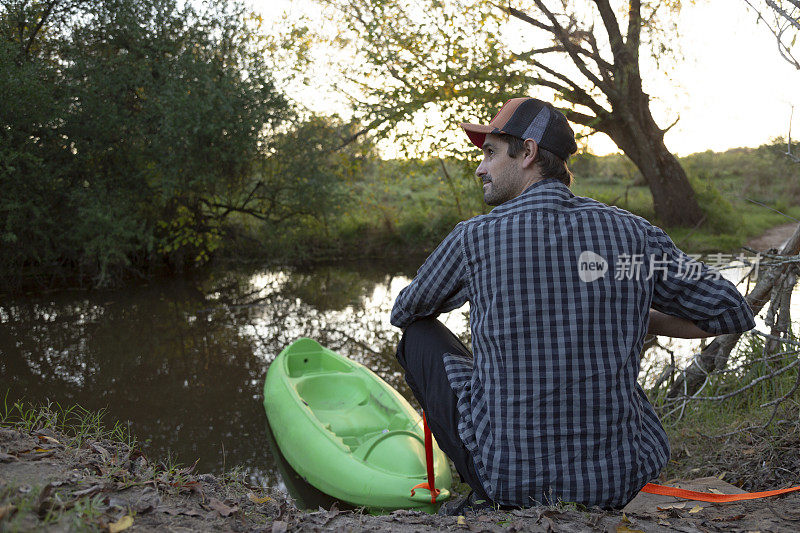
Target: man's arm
(438, 286)
(673, 326)
(704, 299)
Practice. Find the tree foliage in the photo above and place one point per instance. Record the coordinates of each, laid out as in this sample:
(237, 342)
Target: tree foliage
(131, 130)
(451, 58)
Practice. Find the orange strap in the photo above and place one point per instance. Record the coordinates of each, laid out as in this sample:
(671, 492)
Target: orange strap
(429, 463)
(651, 488)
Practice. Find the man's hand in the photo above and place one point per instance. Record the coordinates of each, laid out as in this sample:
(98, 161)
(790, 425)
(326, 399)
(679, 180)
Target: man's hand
(672, 326)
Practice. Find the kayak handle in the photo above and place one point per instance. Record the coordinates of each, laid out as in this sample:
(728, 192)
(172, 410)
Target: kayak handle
(364, 449)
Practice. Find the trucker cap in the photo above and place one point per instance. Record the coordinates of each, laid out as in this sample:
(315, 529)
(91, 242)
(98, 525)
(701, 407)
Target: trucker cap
(529, 118)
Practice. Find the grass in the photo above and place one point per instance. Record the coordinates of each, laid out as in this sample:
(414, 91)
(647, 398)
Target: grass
(404, 208)
(741, 439)
(75, 422)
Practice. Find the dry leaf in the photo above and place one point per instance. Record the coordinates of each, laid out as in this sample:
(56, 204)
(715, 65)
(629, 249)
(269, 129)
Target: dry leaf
(461, 521)
(255, 499)
(672, 506)
(6, 458)
(696, 509)
(120, 525)
(7, 510)
(223, 510)
(622, 528)
(333, 511)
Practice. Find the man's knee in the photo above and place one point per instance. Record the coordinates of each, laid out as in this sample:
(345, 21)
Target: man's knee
(412, 340)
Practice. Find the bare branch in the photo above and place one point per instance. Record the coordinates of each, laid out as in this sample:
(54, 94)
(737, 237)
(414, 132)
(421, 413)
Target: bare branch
(562, 36)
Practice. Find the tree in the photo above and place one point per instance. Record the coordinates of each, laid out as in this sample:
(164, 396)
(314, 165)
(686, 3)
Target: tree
(783, 20)
(127, 130)
(784, 23)
(447, 55)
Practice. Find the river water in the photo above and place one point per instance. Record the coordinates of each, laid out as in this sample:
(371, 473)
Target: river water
(182, 363)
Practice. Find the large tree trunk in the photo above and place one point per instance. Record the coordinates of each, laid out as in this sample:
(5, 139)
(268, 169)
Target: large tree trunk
(637, 134)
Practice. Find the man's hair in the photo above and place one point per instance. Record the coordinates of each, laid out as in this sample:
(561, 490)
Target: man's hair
(550, 164)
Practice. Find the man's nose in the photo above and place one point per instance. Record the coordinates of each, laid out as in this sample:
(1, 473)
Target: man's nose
(480, 171)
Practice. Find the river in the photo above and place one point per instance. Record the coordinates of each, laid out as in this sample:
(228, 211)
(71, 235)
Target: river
(182, 362)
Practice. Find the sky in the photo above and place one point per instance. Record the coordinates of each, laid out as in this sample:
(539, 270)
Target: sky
(730, 86)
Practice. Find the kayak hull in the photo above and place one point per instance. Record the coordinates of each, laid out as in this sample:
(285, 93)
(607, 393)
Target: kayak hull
(347, 432)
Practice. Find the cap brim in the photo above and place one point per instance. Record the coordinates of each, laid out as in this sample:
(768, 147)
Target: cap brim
(477, 133)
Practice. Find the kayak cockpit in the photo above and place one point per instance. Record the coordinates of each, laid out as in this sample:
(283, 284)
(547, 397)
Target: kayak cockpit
(359, 415)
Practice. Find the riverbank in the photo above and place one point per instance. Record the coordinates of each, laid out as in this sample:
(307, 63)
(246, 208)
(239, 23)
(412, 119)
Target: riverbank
(94, 479)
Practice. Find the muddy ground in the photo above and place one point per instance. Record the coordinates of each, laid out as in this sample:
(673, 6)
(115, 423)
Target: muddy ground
(774, 237)
(48, 485)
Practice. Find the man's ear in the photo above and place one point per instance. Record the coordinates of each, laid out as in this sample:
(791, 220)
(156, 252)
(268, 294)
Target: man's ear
(529, 152)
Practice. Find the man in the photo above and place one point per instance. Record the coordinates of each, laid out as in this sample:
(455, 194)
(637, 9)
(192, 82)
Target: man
(562, 291)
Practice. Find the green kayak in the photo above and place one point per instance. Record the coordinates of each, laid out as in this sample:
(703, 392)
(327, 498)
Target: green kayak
(347, 432)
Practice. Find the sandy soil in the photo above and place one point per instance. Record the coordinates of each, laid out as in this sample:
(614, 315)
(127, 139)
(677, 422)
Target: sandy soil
(104, 485)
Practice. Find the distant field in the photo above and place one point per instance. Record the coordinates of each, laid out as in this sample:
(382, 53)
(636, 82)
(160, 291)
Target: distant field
(406, 207)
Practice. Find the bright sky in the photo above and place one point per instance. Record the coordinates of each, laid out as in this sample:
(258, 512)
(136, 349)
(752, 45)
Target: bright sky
(731, 87)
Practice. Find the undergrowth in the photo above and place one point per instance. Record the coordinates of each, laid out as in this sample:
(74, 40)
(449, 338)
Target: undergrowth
(75, 422)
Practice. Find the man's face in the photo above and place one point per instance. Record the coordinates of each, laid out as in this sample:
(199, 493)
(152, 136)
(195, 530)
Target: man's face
(500, 173)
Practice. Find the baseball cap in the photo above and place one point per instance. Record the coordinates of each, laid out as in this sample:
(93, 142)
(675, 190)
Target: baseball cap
(529, 118)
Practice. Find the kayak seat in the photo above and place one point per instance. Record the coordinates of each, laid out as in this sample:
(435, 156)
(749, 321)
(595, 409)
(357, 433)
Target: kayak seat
(332, 391)
(345, 406)
(299, 364)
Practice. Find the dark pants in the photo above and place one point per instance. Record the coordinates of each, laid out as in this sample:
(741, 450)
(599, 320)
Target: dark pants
(420, 353)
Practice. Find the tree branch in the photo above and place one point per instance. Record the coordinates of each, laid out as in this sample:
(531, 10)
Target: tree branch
(562, 36)
(48, 10)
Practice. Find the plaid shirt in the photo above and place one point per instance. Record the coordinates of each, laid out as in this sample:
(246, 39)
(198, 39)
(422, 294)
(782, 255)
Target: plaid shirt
(549, 406)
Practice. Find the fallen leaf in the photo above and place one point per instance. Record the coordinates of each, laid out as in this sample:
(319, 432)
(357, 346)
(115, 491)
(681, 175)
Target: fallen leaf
(334, 510)
(51, 440)
(6, 458)
(696, 509)
(461, 520)
(90, 491)
(120, 525)
(223, 510)
(255, 499)
(7, 510)
(622, 528)
(42, 450)
(279, 526)
(672, 506)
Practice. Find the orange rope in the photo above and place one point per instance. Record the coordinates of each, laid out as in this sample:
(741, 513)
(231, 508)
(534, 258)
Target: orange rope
(429, 463)
(651, 488)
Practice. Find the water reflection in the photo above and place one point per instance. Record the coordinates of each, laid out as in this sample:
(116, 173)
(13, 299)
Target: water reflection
(183, 363)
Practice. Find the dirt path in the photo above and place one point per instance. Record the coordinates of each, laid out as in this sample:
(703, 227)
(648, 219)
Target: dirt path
(773, 237)
(103, 485)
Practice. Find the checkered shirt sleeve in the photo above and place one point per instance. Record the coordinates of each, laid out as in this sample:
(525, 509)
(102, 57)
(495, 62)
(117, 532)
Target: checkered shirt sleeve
(701, 296)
